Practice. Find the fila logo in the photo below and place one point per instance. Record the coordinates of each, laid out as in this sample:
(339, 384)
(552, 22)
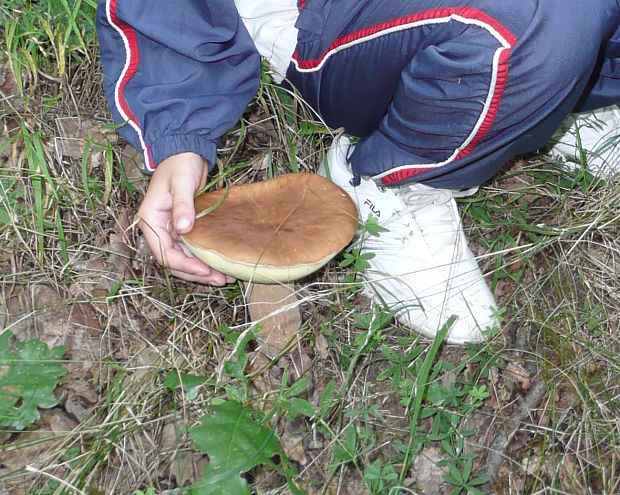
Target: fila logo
(376, 211)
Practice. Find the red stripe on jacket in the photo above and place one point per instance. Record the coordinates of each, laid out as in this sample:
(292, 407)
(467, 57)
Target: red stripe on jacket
(132, 67)
(468, 13)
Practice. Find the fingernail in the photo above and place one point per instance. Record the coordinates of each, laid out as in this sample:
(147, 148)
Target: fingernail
(186, 251)
(183, 223)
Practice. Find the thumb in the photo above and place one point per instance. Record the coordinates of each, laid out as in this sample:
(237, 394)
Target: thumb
(184, 185)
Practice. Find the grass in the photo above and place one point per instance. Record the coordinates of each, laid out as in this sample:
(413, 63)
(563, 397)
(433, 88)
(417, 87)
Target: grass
(358, 404)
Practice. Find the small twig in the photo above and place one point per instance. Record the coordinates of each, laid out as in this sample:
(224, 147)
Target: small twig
(497, 450)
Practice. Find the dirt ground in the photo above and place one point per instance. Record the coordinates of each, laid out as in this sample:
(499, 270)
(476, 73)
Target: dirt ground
(549, 243)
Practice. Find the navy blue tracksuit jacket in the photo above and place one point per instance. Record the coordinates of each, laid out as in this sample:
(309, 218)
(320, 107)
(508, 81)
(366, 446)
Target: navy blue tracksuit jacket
(440, 92)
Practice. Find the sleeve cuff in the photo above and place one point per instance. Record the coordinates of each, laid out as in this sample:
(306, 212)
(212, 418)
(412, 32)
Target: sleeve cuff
(165, 146)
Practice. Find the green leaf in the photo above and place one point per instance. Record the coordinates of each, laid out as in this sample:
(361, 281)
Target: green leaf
(427, 412)
(235, 443)
(326, 398)
(448, 449)
(296, 388)
(349, 259)
(467, 470)
(467, 432)
(344, 451)
(372, 226)
(308, 128)
(29, 373)
(9, 196)
(455, 475)
(215, 482)
(450, 479)
(386, 373)
(481, 480)
(373, 471)
(435, 393)
(297, 406)
(190, 383)
(361, 263)
(5, 218)
(391, 355)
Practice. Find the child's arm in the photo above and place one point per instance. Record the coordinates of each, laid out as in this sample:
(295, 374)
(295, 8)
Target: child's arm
(178, 74)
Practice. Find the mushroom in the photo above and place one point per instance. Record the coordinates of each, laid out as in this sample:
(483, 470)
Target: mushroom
(270, 233)
(277, 230)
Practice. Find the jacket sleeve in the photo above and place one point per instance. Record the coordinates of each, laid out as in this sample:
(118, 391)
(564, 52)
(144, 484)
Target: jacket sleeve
(177, 75)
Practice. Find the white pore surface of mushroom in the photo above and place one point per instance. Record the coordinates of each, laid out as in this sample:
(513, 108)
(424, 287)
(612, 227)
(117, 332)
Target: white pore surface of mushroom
(273, 231)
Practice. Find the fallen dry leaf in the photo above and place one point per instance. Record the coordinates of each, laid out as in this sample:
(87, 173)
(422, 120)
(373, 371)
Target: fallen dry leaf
(267, 381)
(427, 474)
(187, 467)
(30, 447)
(78, 408)
(294, 448)
(8, 83)
(301, 362)
(60, 422)
(76, 133)
(515, 372)
(131, 160)
(260, 163)
(322, 346)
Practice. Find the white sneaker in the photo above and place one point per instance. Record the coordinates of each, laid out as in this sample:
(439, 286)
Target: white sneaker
(599, 132)
(422, 269)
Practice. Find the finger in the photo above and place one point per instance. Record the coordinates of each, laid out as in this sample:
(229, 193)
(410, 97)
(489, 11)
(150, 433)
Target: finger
(186, 250)
(216, 278)
(156, 237)
(166, 252)
(178, 263)
(175, 259)
(192, 269)
(228, 279)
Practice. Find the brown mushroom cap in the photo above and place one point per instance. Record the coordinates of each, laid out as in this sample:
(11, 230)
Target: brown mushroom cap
(276, 230)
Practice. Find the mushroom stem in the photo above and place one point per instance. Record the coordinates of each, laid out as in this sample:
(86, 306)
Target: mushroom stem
(276, 307)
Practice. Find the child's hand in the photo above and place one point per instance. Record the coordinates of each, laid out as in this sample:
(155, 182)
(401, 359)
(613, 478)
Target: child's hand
(168, 210)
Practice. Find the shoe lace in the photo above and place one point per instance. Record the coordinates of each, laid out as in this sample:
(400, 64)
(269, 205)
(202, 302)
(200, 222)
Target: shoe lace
(414, 198)
(418, 198)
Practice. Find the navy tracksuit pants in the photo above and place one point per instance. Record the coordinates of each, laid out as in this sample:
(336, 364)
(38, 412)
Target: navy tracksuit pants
(446, 92)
